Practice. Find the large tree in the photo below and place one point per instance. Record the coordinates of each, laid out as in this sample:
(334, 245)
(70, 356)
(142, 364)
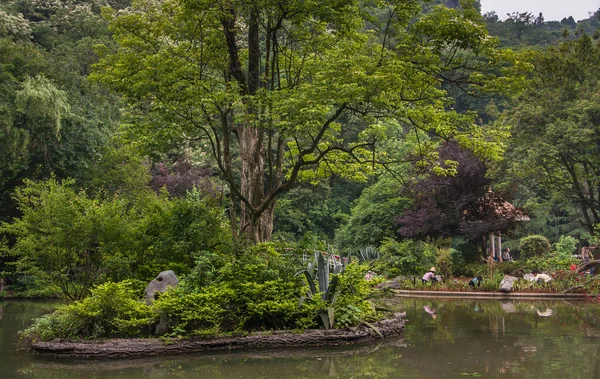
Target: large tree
(283, 91)
(556, 144)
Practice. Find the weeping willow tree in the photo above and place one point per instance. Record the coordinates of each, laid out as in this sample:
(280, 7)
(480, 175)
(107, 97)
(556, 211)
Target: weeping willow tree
(282, 92)
(31, 129)
(41, 106)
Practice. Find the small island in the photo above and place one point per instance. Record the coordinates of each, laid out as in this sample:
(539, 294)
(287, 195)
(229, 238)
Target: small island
(257, 300)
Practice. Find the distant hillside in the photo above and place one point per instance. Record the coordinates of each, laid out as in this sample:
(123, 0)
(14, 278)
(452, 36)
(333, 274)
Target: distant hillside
(522, 30)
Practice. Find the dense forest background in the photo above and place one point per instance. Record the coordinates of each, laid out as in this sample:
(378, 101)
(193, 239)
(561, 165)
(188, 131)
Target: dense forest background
(70, 164)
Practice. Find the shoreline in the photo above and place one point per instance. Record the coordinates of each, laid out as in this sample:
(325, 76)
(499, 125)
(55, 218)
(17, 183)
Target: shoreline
(489, 295)
(148, 347)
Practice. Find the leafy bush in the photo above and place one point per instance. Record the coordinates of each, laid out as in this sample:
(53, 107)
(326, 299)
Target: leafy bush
(352, 305)
(239, 307)
(272, 305)
(470, 270)
(549, 263)
(566, 246)
(259, 263)
(172, 232)
(198, 312)
(534, 245)
(457, 259)
(372, 217)
(444, 262)
(57, 235)
(112, 310)
(407, 257)
(256, 289)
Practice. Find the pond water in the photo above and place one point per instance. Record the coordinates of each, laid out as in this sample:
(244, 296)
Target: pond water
(442, 339)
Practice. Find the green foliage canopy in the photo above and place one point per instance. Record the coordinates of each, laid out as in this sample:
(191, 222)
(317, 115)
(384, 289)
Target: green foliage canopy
(285, 93)
(555, 150)
(373, 217)
(52, 120)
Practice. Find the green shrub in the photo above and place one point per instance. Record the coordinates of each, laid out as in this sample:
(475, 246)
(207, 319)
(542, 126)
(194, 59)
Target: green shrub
(241, 307)
(112, 310)
(566, 247)
(470, 270)
(444, 262)
(352, 305)
(407, 257)
(272, 305)
(174, 233)
(259, 263)
(256, 289)
(549, 263)
(67, 239)
(198, 312)
(534, 245)
(457, 259)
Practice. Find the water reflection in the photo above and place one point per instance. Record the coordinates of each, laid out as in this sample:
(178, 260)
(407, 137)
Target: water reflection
(443, 338)
(516, 338)
(430, 311)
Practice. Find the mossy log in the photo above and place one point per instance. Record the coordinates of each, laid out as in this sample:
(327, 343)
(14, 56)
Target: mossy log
(140, 347)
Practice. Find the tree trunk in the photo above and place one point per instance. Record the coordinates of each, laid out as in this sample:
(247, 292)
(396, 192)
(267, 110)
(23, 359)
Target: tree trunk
(256, 220)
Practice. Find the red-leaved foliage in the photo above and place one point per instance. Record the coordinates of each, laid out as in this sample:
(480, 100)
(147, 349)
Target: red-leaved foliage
(457, 205)
(181, 177)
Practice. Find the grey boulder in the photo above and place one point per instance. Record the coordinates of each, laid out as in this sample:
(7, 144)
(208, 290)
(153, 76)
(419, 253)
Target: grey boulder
(506, 285)
(160, 284)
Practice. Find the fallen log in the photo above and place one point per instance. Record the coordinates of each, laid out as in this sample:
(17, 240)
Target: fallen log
(586, 266)
(147, 347)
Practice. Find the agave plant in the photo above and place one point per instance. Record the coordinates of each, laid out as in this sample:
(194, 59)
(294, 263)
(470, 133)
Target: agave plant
(368, 254)
(319, 275)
